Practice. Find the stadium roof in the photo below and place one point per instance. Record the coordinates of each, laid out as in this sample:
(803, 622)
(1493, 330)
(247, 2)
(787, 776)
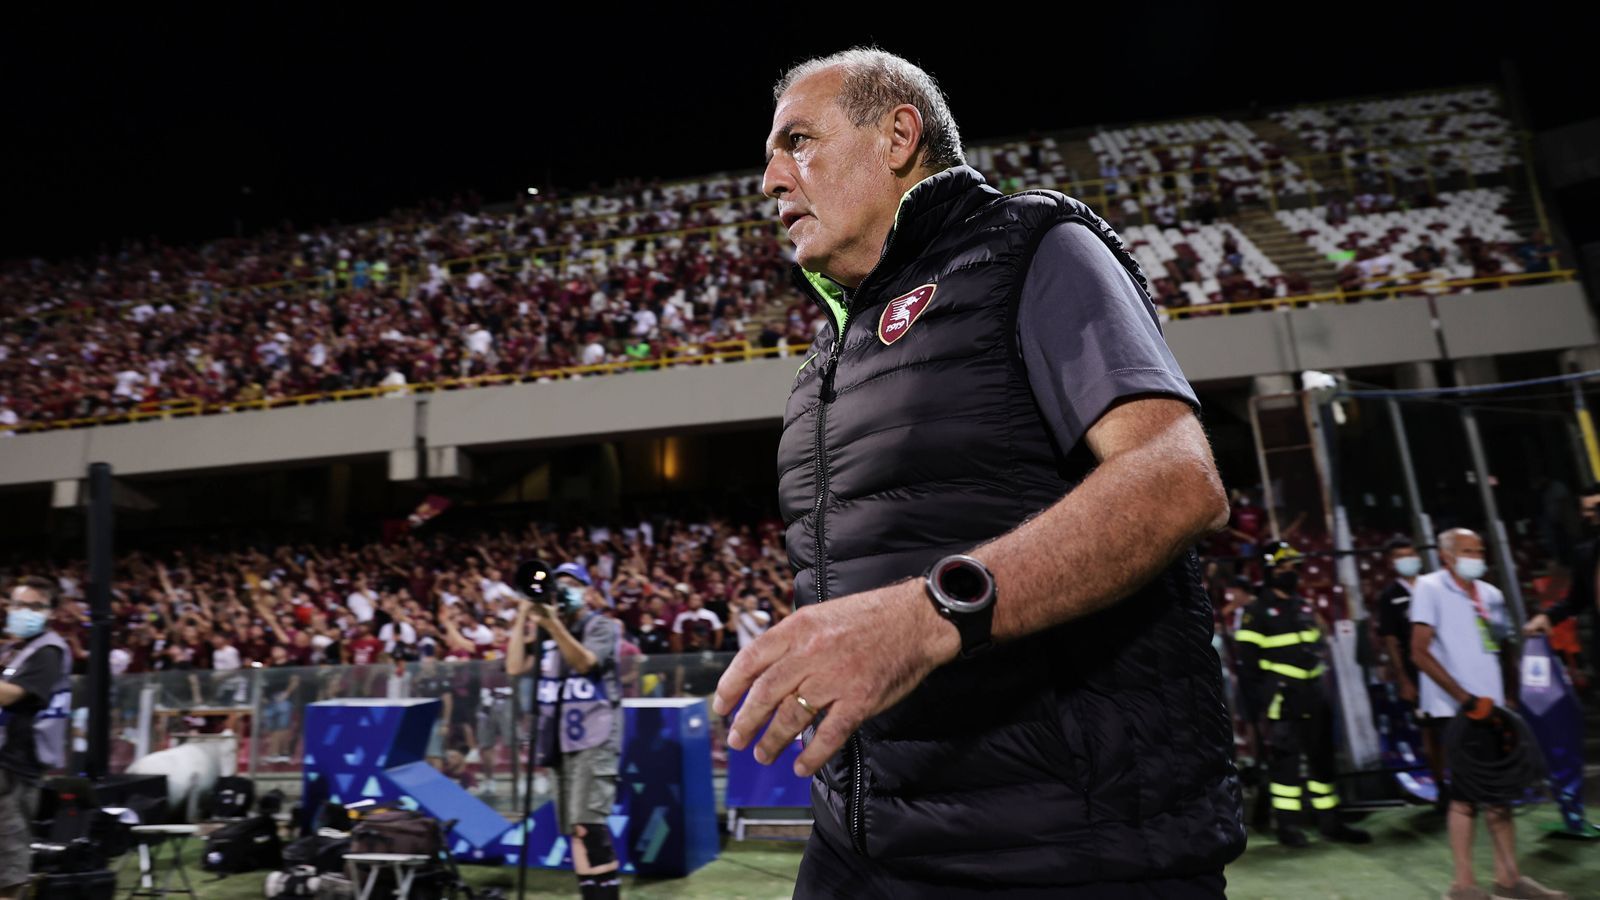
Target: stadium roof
(245, 116)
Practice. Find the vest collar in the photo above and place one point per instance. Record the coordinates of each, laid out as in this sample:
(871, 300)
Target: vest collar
(931, 204)
(924, 212)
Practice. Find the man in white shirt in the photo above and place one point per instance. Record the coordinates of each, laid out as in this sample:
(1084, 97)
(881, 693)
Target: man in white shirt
(479, 340)
(494, 588)
(224, 656)
(644, 322)
(476, 632)
(398, 635)
(1459, 628)
(696, 628)
(750, 620)
(361, 602)
(128, 384)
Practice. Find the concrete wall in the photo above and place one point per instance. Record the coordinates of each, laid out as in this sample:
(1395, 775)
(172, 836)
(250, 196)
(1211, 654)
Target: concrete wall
(1546, 317)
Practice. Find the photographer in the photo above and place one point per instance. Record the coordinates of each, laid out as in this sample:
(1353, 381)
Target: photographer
(579, 727)
(35, 692)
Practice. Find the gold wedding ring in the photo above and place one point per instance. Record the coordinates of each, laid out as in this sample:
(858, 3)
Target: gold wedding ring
(807, 707)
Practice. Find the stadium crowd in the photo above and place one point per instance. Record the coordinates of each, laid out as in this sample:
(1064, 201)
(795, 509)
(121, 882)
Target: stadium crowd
(673, 586)
(269, 344)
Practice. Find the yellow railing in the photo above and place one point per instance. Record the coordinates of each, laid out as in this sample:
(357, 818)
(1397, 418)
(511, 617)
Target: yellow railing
(691, 355)
(738, 351)
(1412, 284)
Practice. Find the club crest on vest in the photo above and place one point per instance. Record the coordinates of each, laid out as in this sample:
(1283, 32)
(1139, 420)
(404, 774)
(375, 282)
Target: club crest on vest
(902, 311)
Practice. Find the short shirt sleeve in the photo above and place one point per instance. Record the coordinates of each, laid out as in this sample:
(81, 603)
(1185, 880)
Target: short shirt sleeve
(1394, 606)
(1425, 604)
(1089, 337)
(37, 678)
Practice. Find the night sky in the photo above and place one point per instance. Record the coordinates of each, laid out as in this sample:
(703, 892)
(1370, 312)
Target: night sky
(128, 125)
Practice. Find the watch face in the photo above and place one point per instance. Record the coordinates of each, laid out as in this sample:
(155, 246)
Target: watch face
(962, 584)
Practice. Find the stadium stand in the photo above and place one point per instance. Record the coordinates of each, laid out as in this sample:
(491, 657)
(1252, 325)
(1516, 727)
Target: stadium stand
(1227, 214)
(1467, 235)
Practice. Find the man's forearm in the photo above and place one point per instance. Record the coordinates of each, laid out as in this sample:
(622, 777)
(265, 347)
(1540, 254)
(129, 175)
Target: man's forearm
(576, 654)
(1127, 521)
(514, 648)
(1397, 666)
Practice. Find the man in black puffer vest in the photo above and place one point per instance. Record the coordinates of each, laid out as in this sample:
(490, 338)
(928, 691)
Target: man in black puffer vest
(992, 477)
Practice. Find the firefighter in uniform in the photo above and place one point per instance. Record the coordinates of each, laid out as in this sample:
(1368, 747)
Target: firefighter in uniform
(1280, 647)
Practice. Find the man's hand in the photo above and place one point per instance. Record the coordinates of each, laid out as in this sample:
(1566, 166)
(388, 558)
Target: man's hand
(853, 656)
(1408, 691)
(1539, 624)
(542, 614)
(1477, 708)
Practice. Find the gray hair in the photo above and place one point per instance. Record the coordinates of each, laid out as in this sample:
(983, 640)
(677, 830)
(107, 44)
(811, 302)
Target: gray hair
(875, 82)
(1450, 541)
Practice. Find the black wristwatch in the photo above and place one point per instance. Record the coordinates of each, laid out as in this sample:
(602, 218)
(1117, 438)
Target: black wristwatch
(962, 590)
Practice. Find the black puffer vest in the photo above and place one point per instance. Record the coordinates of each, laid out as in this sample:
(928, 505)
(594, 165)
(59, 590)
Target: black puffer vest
(1095, 751)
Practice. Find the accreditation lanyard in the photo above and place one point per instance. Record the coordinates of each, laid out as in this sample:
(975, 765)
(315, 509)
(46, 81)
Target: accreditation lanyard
(1490, 645)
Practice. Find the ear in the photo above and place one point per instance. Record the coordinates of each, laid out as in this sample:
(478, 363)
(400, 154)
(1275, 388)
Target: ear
(904, 133)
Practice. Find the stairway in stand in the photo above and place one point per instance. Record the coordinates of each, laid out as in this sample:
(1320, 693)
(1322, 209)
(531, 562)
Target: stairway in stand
(1285, 248)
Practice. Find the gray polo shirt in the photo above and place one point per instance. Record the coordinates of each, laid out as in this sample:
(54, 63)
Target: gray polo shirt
(1088, 335)
(1467, 648)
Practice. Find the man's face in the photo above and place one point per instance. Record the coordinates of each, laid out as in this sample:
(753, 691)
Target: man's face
(835, 190)
(1400, 553)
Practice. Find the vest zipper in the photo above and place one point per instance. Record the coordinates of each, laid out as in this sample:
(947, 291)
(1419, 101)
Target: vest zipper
(854, 810)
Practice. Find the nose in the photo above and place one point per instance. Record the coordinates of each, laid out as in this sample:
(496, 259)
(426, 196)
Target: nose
(778, 178)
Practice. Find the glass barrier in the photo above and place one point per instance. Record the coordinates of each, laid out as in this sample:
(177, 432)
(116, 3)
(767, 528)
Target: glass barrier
(480, 739)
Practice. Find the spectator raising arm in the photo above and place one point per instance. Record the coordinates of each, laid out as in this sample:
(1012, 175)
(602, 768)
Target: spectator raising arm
(453, 637)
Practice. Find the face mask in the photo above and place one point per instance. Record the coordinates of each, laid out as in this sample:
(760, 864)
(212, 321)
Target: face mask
(571, 598)
(25, 623)
(1408, 566)
(1468, 569)
(1286, 581)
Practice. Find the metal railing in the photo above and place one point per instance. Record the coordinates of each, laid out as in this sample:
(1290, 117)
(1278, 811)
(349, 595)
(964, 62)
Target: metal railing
(1413, 284)
(485, 711)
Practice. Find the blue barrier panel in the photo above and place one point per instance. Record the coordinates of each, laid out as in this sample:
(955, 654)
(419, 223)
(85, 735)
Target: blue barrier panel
(750, 784)
(1552, 710)
(373, 750)
(666, 775)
